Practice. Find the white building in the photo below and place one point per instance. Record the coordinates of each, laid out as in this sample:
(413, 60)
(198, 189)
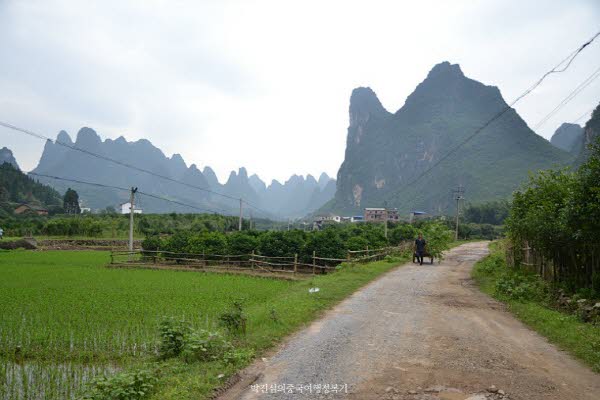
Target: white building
(126, 209)
(332, 218)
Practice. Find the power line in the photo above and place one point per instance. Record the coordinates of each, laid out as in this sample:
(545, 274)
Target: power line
(123, 189)
(583, 115)
(123, 164)
(569, 97)
(557, 69)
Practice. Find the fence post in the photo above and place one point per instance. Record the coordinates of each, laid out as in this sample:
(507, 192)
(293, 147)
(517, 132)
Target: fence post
(348, 257)
(112, 258)
(314, 262)
(252, 260)
(295, 263)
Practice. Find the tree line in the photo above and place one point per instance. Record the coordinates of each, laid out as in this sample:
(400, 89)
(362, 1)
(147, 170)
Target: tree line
(556, 218)
(333, 241)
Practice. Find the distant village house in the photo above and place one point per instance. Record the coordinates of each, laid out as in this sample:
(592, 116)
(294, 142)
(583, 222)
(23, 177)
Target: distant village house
(29, 208)
(126, 209)
(380, 214)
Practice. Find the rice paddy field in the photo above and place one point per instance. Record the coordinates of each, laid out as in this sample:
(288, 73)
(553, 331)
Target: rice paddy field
(67, 319)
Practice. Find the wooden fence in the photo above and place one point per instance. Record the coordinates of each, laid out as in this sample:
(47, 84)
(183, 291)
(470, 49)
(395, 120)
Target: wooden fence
(253, 261)
(576, 264)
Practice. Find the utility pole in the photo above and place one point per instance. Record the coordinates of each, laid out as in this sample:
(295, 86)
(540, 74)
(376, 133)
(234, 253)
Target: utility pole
(385, 221)
(131, 211)
(458, 196)
(240, 222)
(250, 219)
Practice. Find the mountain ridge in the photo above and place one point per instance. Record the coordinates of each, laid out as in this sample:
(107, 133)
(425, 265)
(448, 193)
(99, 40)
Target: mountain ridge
(61, 161)
(387, 151)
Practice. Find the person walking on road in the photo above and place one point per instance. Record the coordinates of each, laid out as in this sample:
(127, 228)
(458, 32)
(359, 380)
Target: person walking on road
(420, 244)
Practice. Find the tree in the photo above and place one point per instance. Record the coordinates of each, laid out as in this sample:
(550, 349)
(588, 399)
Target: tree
(71, 202)
(242, 243)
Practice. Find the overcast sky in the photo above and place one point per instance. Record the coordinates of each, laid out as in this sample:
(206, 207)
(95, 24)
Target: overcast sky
(266, 84)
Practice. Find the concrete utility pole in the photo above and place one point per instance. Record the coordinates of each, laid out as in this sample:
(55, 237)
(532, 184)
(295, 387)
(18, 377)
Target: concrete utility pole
(458, 196)
(240, 222)
(385, 221)
(131, 211)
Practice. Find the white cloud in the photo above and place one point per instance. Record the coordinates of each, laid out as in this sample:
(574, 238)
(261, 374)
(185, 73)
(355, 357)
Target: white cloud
(266, 84)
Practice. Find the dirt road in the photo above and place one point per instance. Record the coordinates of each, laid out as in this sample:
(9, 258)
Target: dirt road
(419, 332)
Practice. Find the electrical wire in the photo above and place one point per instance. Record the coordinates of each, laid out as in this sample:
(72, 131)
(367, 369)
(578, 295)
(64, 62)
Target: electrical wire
(576, 120)
(123, 189)
(557, 69)
(569, 97)
(126, 165)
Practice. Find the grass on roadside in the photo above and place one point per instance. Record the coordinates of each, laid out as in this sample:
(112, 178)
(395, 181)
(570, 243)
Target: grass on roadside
(524, 294)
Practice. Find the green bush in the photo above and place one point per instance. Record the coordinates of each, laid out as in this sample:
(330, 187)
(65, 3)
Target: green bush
(282, 244)
(134, 385)
(234, 320)
(242, 242)
(356, 243)
(172, 337)
(402, 232)
(152, 243)
(516, 285)
(326, 243)
(207, 243)
(438, 238)
(203, 345)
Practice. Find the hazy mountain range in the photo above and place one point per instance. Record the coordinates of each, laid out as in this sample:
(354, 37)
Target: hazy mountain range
(388, 154)
(294, 198)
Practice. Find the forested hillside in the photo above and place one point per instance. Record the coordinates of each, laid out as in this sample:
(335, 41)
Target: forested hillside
(16, 187)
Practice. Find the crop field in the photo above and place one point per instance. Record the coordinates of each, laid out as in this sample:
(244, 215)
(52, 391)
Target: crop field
(67, 319)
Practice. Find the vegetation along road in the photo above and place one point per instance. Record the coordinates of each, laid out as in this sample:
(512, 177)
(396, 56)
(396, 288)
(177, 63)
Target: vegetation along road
(419, 332)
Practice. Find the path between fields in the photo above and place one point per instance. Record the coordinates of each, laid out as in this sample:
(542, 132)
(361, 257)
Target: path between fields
(418, 328)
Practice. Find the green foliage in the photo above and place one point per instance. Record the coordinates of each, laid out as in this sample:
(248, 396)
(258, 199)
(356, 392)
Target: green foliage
(151, 243)
(479, 231)
(438, 238)
(203, 345)
(493, 213)
(558, 215)
(207, 243)
(234, 320)
(517, 285)
(16, 187)
(242, 242)
(172, 337)
(282, 244)
(356, 243)
(326, 243)
(402, 232)
(134, 385)
(71, 202)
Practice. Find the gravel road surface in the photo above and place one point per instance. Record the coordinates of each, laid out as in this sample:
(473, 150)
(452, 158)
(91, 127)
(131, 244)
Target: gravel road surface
(419, 333)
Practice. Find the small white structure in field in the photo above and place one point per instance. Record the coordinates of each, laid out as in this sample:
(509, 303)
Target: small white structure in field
(125, 209)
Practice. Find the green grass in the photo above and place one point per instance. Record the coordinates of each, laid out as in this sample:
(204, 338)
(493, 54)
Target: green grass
(64, 310)
(566, 331)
